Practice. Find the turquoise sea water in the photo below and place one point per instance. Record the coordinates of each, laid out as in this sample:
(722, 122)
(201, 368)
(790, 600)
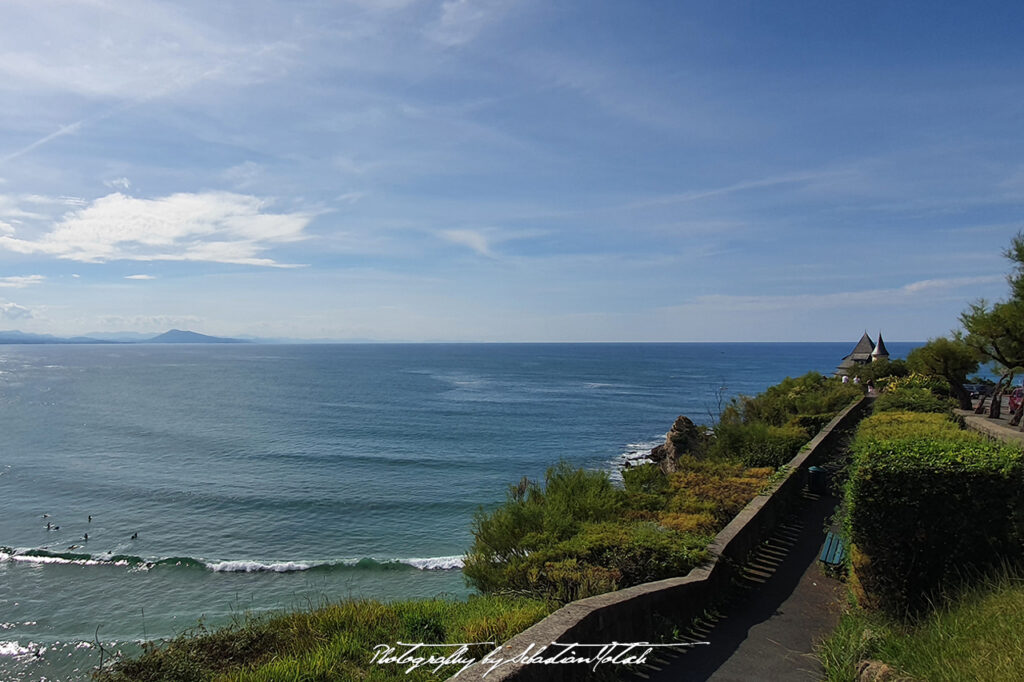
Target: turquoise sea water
(265, 477)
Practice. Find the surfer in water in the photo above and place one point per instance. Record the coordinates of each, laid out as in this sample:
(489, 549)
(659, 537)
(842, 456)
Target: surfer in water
(135, 536)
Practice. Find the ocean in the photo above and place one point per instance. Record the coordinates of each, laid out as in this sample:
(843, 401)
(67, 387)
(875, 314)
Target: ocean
(212, 481)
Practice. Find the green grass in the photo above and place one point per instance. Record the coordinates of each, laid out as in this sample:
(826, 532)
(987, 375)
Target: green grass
(976, 637)
(334, 642)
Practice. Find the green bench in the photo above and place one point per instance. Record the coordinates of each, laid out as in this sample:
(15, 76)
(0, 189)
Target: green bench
(834, 550)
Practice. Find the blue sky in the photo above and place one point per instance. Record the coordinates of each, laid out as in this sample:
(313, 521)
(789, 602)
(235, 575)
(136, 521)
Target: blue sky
(508, 170)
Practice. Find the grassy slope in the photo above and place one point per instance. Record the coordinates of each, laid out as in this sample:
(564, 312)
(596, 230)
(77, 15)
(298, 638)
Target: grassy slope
(980, 637)
(335, 642)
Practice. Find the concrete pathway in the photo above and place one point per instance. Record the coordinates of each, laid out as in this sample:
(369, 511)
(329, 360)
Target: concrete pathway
(769, 628)
(996, 428)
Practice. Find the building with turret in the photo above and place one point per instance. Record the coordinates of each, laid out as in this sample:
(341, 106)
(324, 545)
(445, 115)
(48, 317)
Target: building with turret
(864, 352)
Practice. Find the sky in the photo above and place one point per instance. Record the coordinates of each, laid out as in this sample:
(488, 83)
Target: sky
(508, 170)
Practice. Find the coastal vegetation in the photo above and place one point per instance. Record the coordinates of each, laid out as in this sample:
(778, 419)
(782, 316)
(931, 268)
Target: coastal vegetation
(934, 515)
(577, 535)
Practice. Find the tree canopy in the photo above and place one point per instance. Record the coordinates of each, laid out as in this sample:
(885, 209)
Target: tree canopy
(951, 359)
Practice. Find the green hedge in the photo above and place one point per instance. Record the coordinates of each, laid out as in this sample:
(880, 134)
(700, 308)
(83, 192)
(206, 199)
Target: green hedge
(906, 399)
(928, 504)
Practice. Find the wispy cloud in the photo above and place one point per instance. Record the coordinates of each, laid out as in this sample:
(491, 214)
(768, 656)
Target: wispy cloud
(13, 311)
(213, 226)
(158, 48)
(737, 187)
(69, 129)
(476, 240)
(121, 184)
(139, 277)
(159, 52)
(899, 296)
(20, 282)
(462, 20)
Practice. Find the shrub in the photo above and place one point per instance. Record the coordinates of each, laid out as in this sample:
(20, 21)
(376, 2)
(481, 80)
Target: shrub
(935, 384)
(658, 528)
(645, 478)
(758, 444)
(912, 400)
(533, 517)
(926, 505)
(809, 394)
(712, 489)
(811, 423)
(599, 558)
(639, 552)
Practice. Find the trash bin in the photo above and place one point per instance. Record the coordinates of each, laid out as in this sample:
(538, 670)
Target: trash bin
(817, 480)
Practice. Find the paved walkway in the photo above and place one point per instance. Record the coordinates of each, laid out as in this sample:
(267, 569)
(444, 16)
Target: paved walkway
(769, 629)
(997, 428)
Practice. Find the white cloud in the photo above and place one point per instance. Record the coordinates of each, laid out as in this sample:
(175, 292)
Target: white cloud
(123, 184)
(213, 226)
(474, 239)
(139, 277)
(20, 282)
(13, 311)
(462, 20)
(949, 283)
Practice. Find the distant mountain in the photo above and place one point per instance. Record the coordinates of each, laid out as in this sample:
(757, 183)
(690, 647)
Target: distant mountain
(14, 336)
(179, 336)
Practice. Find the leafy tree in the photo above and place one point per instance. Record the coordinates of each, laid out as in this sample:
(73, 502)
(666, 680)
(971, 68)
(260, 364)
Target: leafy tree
(951, 359)
(996, 332)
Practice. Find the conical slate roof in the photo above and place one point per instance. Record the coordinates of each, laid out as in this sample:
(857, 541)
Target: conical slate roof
(879, 351)
(863, 349)
(861, 353)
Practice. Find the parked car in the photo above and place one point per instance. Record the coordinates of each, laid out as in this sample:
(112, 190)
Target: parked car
(1016, 398)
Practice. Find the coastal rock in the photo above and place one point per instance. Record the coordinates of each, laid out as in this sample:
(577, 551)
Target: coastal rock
(683, 438)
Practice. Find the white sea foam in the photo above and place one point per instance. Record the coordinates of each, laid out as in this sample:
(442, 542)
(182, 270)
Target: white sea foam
(635, 453)
(441, 563)
(8, 648)
(258, 566)
(438, 563)
(59, 560)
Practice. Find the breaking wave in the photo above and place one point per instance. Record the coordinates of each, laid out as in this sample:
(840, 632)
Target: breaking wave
(40, 556)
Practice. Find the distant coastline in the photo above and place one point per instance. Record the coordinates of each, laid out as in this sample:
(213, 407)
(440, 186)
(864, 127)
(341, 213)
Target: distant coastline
(170, 336)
